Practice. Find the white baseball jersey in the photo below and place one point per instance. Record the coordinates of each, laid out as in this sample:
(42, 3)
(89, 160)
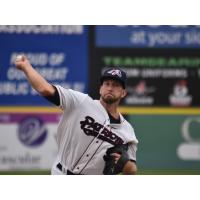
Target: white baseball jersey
(85, 133)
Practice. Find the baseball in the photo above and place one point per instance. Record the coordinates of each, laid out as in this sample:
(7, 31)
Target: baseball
(19, 58)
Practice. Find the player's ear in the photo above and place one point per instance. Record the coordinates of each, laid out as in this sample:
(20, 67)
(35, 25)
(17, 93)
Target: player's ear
(124, 93)
(100, 89)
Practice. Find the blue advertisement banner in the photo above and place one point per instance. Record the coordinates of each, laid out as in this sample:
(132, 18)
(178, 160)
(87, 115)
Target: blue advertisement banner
(148, 36)
(58, 53)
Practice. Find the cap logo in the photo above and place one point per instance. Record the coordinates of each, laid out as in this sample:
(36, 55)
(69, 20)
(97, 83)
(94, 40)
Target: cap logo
(115, 72)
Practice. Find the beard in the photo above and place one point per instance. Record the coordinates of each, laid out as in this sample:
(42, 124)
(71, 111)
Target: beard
(109, 99)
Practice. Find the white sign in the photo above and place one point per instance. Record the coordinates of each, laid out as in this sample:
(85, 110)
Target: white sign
(27, 142)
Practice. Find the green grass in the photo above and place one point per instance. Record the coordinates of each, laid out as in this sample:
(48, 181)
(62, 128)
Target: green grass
(169, 172)
(46, 172)
(140, 172)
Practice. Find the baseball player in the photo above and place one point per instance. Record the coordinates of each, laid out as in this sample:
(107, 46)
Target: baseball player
(92, 136)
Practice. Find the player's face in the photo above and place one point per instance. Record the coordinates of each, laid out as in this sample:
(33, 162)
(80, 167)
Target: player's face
(111, 91)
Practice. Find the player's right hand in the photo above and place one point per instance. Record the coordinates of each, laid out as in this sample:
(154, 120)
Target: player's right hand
(21, 62)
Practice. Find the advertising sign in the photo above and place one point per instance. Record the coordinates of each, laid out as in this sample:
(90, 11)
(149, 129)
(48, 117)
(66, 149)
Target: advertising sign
(27, 141)
(59, 54)
(167, 74)
(167, 141)
(148, 36)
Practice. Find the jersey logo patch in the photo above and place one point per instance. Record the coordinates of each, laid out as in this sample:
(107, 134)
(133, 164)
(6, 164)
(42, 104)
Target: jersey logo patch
(92, 128)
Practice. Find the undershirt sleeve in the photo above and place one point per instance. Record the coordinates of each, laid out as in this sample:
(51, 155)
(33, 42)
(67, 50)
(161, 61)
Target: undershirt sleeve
(55, 98)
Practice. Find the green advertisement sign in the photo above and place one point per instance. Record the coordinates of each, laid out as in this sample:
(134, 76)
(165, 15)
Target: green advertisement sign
(170, 142)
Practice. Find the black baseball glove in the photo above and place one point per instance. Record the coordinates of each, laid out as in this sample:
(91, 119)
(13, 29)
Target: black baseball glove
(111, 167)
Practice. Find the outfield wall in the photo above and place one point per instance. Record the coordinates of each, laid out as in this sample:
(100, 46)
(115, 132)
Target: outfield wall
(168, 138)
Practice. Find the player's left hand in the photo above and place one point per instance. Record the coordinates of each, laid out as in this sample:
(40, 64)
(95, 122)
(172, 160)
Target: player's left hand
(115, 159)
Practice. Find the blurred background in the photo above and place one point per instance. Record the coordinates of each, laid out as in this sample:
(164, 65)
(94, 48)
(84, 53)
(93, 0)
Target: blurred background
(163, 101)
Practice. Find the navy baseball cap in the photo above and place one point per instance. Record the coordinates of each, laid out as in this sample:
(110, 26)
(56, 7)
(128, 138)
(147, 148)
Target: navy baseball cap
(115, 74)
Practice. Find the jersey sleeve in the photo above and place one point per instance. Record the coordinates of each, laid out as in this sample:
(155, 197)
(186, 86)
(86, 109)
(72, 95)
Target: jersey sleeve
(133, 144)
(132, 151)
(70, 99)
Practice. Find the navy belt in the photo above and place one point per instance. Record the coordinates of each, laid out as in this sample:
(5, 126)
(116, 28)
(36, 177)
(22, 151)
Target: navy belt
(60, 167)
